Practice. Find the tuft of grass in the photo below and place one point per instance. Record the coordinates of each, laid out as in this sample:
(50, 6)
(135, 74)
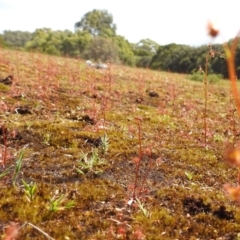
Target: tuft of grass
(92, 163)
(105, 143)
(58, 203)
(18, 167)
(29, 189)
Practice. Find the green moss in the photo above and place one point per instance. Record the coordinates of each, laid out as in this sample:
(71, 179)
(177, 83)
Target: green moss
(72, 108)
(160, 223)
(3, 87)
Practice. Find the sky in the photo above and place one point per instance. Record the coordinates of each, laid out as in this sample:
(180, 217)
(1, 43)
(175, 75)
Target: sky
(163, 21)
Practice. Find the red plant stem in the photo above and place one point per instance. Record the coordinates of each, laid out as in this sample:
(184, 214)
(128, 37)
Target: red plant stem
(238, 176)
(107, 102)
(109, 78)
(4, 130)
(150, 166)
(139, 159)
(233, 124)
(206, 101)
(230, 55)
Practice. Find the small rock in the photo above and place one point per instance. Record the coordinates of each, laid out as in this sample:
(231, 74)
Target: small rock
(8, 80)
(153, 94)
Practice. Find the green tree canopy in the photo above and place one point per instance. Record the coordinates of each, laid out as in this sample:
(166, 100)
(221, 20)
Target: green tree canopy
(144, 50)
(145, 47)
(2, 42)
(75, 44)
(16, 38)
(97, 23)
(186, 59)
(102, 49)
(125, 51)
(47, 41)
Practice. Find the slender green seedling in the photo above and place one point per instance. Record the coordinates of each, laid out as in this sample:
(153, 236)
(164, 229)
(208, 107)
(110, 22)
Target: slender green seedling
(18, 167)
(30, 189)
(56, 203)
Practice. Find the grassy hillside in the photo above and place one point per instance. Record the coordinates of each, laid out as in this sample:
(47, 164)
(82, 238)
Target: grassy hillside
(113, 154)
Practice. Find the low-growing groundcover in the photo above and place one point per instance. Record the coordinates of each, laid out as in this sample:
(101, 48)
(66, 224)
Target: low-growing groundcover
(112, 154)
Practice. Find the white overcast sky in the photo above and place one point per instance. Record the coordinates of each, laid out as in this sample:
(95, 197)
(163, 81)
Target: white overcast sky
(164, 21)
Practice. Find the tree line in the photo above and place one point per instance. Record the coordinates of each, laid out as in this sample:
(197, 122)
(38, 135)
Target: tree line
(95, 38)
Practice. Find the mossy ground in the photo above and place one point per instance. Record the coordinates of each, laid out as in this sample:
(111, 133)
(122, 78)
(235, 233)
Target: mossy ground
(57, 109)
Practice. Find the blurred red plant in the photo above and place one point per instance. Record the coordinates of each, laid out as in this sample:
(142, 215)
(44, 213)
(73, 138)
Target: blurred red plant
(11, 231)
(233, 154)
(4, 133)
(138, 234)
(232, 192)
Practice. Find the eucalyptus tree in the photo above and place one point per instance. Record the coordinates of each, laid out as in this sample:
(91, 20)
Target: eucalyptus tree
(97, 23)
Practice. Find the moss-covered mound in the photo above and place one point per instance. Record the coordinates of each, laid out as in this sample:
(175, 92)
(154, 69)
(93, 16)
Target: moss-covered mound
(119, 153)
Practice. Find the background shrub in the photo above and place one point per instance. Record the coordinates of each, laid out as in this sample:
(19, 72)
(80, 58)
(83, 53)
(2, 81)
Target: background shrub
(199, 77)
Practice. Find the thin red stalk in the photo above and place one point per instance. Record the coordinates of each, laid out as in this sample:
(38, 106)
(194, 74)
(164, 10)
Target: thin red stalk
(110, 79)
(150, 165)
(107, 102)
(4, 157)
(230, 55)
(206, 101)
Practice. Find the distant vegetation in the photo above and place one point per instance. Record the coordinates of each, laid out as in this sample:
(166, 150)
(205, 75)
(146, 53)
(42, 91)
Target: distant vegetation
(95, 38)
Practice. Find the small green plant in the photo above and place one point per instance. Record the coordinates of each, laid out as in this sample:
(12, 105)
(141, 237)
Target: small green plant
(189, 176)
(47, 138)
(18, 167)
(105, 143)
(90, 163)
(5, 172)
(56, 204)
(218, 138)
(30, 189)
(142, 208)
